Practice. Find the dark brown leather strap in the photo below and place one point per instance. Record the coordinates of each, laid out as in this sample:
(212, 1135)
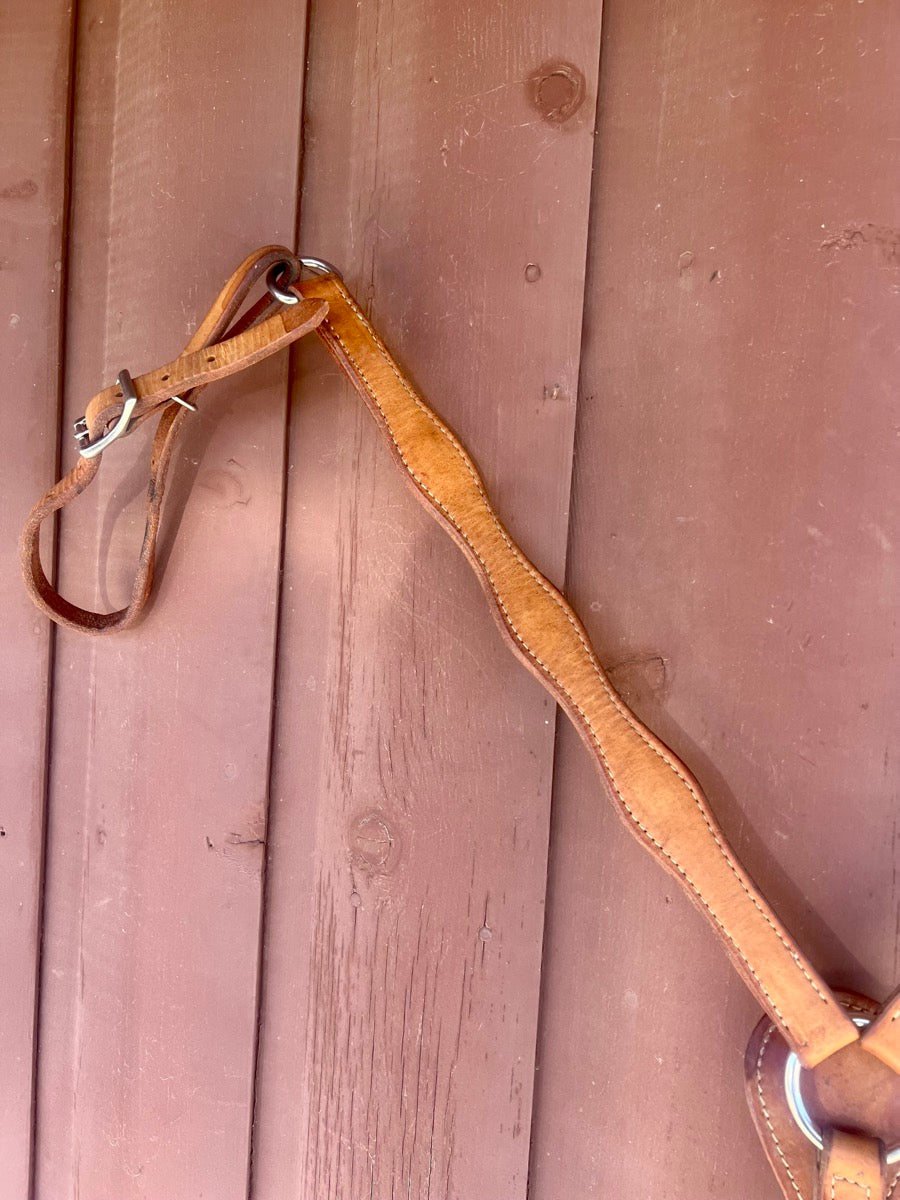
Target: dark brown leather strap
(265, 329)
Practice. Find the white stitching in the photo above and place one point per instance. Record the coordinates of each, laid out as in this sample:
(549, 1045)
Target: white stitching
(532, 571)
(765, 1112)
(853, 1183)
(762, 1103)
(557, 599)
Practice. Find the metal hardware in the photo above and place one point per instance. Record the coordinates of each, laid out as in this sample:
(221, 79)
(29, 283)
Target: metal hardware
(122, 427)
(279, 287)
(285, 295)
(279, 277)
(89, 449)
(318, 266)
(807, 1126)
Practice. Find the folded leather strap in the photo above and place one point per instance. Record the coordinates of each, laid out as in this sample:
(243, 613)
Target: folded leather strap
(204, 360)
(851, 1168)
(795, 1112)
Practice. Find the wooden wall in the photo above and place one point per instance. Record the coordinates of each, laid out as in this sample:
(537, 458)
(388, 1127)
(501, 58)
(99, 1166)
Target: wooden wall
(304, 892)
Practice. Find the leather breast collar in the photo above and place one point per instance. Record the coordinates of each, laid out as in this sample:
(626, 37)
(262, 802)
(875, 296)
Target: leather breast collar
(838, 1148)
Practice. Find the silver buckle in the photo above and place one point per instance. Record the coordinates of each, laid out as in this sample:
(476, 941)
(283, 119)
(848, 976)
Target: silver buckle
(89, 449)
(122, 427)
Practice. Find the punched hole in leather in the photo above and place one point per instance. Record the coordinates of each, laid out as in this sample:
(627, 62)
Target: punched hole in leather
(224, 344)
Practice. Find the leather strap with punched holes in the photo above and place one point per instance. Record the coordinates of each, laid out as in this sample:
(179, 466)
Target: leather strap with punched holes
(170, 392)
(657, 797)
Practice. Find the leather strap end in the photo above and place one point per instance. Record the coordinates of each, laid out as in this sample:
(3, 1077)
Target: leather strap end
(851, 1167)
(199, 368)
(257, 335)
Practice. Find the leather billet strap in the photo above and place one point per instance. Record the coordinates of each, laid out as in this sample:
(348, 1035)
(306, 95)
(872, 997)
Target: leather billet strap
(266, 328)
(655, 794)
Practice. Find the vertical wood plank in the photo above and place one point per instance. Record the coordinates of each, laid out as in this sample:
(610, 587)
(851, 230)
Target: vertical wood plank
(35, 54)
(734, 555)
(412, 766)
(187, 138)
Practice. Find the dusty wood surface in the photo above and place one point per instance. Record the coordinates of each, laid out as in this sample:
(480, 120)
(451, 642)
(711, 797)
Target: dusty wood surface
(354, 724)
(34, 60)
(734, 554)
(411, 786)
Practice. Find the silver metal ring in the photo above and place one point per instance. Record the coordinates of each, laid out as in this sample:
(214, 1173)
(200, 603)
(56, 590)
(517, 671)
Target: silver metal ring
(318, 266)
(282, 292)
(793, 1070)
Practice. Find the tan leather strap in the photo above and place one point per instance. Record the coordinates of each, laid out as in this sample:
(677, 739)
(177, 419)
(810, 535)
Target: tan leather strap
(656, 795)
(258, 334)
(882, 1038)
(851, 1090)
(851, 1168)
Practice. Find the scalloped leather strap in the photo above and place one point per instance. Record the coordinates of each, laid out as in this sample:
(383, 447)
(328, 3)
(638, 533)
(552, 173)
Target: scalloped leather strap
(656, 795)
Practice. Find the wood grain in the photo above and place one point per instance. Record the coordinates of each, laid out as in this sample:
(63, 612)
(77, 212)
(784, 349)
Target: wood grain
(186, 158)
(733, 553)
(35, 53)
(412, 765)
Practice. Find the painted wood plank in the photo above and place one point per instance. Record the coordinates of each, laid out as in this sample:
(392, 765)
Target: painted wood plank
(35, 54)
(413, 754)
(186, 132)
(733, 553)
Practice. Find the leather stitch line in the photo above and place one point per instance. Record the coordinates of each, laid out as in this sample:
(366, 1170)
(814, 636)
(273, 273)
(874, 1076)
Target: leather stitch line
(586, 722)
(624, 712)
(762, 1103)
(543, 584)
(853, 1183)
(765, 1112)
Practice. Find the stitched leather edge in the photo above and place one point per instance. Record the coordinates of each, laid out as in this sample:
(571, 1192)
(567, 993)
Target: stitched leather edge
(764, 1109)
(572, 704)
